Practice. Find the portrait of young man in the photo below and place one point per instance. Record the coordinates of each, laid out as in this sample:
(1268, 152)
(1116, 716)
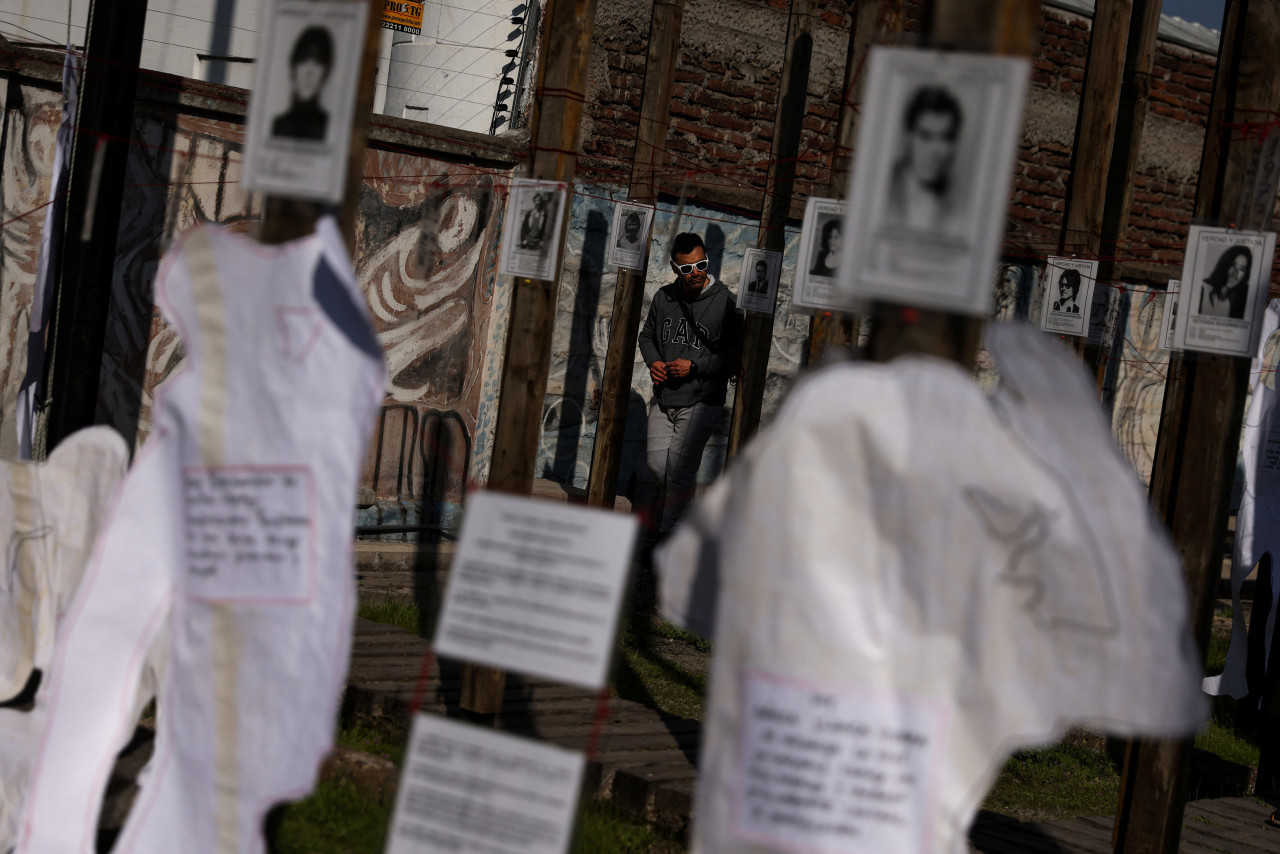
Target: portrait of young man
(921, 193)
(310, 63)
(691, 341)
(1068, 292)
(759, 284)
(533, 227)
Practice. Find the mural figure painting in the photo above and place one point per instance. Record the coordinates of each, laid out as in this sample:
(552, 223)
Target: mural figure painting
(309, 65)
(1228, 290)
(920, 194)
(1068, 292)
(690, 341)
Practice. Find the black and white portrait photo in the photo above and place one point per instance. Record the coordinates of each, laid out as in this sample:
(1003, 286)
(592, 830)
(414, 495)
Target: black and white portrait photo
(929, 188)
(1068, 295)
(818, 265)
(531, 236)
(1223, 290)
(758, 285)
(310, 63)
(303, 99)
(1169, 319)
(629, 235)
(921, 193)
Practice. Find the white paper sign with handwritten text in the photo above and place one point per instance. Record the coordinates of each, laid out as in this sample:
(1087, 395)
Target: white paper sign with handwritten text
(834, 770)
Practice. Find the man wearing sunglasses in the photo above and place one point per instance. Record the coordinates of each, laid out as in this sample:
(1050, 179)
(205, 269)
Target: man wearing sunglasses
(690, 341)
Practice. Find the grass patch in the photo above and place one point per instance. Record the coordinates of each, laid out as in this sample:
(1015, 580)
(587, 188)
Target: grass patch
(335, 819)
(1056, 782)
(392, 610)
(372, 739)
(602, 827)
(661, 666)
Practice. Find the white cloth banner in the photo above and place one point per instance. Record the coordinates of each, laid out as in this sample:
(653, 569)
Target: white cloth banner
(49, 517)
(42, 300)
(1258, 519)
(233, 530)
(908, 580)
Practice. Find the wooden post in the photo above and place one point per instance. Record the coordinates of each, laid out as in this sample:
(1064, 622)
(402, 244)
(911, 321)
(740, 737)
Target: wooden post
(1199, 436)
(874, 20)
(562, 76)
(757, 336)
(95, 190)
(288, 219)
(628, 295)
(1109, 131)
(988, 26)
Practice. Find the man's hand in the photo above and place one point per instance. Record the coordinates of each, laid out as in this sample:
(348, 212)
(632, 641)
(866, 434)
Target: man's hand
(679, 369)
(658, 371)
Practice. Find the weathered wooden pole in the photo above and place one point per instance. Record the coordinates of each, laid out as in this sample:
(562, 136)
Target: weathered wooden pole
(979, 26)
(95, 190)
(1135, 91)
(562, 76)
(873, 22)
(1199, 435)
(628, 295)
(757, 336)
(288, 219)
(1122, 47)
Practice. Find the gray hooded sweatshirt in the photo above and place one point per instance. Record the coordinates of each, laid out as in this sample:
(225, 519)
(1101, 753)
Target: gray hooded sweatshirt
(706, 330)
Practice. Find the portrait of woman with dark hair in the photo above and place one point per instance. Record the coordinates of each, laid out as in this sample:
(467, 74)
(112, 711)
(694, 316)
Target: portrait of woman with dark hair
(1228, 291)
(827, 258)
(310, 62)
(1068, 292)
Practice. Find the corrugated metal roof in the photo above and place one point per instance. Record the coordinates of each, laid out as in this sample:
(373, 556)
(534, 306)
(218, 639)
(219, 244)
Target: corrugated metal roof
(1172, 28)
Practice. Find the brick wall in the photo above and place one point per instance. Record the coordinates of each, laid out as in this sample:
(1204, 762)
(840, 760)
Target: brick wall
(727, 88)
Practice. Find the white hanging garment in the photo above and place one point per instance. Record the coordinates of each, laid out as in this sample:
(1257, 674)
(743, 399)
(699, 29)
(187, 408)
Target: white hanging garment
(908, 580)
(49, 517)
(1258, 519)
(233, 530)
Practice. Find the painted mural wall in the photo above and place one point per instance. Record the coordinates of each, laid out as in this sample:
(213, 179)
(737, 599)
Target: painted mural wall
(442, 328)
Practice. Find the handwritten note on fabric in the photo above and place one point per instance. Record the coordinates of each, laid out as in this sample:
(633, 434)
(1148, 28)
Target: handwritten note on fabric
(536, 587)
(465, 788)
(836, 770)
(250, 533)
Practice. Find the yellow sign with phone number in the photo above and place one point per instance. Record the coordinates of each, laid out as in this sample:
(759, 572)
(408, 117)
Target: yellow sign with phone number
(404, 16)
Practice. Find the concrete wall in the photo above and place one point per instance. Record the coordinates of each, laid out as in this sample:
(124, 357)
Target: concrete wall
(443, 332)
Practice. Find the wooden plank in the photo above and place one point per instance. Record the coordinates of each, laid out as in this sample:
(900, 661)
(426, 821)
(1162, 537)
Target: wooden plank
(1199, 435)
(628, 295)
(757, 336)
(562, 76)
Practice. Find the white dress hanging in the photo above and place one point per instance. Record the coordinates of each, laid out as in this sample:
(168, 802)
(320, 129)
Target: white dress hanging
(234, 531)
(50, 514)
(909, 580)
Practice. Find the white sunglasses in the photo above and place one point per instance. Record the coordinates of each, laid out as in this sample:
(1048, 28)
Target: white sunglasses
(686, 269)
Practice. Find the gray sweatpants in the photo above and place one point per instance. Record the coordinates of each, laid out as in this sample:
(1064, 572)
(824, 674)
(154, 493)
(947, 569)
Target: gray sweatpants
(676, 440)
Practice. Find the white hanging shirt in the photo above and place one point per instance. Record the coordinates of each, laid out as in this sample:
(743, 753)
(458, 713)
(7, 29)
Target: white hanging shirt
(234, 531)
(49, 516)
(908, 580)
(1258, 519)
